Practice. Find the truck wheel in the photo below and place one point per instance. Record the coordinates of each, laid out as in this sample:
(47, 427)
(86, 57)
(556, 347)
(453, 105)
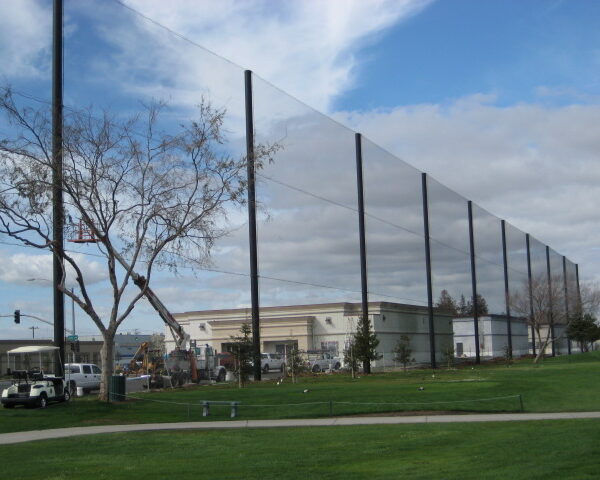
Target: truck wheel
(72, 388)
(42, 401)
(316, 369)
(66, 395)
(221, 375)
(8, 406)
(337, 366)
(266, 369)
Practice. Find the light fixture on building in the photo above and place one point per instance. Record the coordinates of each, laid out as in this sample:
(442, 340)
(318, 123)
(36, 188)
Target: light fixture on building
(202, 326)
(328, 321)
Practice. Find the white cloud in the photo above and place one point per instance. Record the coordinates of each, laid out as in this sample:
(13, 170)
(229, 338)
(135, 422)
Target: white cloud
(533, 165)
(32, 270)
(307, 47)
(25, 37)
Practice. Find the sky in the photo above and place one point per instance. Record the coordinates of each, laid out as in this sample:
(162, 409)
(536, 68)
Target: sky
(497, 101)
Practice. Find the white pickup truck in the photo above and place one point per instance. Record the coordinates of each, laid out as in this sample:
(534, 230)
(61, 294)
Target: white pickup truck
(84, 375)
(272, 362)
(319, 362)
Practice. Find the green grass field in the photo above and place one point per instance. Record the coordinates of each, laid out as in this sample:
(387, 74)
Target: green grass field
(521, 450)
(560, 384)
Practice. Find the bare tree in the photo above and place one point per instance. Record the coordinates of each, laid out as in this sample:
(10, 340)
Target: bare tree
(546, 307)
(147, 198)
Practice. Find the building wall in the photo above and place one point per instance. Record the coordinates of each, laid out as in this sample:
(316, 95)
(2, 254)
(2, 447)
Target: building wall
(493, 336)
(320, 327)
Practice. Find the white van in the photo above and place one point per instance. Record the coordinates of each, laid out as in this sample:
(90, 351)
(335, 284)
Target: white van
(84, 375)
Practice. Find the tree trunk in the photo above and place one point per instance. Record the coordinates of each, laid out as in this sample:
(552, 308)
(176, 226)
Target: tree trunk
(107, 358)
(542, 345)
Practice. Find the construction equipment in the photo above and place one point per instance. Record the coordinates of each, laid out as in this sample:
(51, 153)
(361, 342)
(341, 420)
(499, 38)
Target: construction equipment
(185, 363)
(148, 361)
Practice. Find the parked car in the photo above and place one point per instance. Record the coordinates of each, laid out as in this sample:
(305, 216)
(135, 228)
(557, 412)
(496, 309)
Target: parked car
(272, 361)
(84, 375)
(319, 362)
(33, 389)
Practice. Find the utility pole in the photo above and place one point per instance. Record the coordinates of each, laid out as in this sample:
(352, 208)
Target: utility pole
(33, 329)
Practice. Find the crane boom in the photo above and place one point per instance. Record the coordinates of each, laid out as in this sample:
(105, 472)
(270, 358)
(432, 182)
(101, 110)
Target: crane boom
(179, 334)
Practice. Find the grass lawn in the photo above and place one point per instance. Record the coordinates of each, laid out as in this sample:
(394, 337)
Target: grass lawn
(560, 384)
(521, 450)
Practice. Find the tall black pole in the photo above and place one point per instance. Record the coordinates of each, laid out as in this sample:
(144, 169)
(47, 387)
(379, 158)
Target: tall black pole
(530, 283)
(506, 288)
(474, 281)
(363, 243)
(428, 268)
(550, 301)
(252, 226)
(57, 188)
(579, 306)
(567, 319)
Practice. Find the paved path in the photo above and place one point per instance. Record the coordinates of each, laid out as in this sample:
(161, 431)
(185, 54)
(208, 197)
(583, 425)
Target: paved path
(19, 437)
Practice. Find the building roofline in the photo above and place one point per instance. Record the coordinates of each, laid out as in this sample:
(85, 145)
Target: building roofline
(348, 307)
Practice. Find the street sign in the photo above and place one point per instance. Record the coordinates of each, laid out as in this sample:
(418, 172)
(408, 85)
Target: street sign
(72, 338)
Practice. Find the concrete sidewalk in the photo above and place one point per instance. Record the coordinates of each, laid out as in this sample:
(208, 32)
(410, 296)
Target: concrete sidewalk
(19, 437)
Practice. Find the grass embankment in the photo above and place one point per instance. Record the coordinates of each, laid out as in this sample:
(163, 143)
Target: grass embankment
(560, 384)
(523, 450)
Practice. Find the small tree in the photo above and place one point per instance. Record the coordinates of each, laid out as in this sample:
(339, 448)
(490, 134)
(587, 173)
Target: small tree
(584, 330)
(295, 362)
(242, 350)
(403, 351)
(446, 304)
(350, 360)
(365, 342)
(448, 352)
(508, 355)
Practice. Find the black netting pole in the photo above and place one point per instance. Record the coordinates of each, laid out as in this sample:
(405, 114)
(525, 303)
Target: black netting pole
(252, 225)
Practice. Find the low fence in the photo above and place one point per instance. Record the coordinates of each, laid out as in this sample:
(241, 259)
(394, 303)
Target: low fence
(222, 409)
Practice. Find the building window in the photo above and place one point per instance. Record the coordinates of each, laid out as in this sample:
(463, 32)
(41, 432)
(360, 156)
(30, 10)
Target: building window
(332, 347)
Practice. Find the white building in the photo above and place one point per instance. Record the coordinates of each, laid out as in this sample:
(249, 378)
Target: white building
(493, 336)
(320, 327)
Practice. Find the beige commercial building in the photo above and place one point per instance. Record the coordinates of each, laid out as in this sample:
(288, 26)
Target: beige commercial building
(319, 327)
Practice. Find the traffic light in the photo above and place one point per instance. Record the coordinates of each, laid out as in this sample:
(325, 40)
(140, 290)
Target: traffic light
(17, 316)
